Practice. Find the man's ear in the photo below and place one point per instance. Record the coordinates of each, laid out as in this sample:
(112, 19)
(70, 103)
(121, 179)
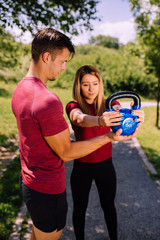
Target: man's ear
(46, 56)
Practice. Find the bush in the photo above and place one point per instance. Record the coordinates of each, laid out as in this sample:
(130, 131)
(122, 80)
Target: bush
(120, 71)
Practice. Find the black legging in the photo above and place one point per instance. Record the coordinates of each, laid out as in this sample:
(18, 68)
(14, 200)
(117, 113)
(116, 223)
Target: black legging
(81, 180)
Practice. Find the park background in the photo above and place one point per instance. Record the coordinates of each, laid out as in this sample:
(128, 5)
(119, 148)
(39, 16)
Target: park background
(128, 59)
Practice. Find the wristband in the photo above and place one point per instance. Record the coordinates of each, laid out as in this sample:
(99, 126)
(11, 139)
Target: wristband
(99, 121)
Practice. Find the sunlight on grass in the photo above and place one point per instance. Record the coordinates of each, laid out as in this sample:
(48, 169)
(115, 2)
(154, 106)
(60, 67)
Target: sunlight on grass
(8, 125)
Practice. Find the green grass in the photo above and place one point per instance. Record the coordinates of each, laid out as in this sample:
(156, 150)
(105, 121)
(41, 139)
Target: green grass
(149, 138)
(8, 128)
(11, 199)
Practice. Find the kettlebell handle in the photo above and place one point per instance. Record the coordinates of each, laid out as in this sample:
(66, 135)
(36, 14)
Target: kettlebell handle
(124, 94)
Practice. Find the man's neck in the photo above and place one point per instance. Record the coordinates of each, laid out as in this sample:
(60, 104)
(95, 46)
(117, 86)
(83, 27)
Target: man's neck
(35, 71)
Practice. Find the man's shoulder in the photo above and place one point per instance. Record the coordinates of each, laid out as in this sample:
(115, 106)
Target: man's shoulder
(46, 101)
(48, 96)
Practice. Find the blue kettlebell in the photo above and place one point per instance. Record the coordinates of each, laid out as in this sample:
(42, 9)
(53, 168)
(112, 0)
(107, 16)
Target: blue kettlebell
(128, 125)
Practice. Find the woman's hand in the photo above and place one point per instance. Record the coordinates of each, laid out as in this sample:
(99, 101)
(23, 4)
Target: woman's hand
(111, 118)
(140, 114)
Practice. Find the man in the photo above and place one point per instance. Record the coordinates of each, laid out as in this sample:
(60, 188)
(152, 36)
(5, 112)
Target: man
(44, 137)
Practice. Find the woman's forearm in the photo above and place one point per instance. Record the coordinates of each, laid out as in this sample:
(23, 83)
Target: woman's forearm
(85, 120)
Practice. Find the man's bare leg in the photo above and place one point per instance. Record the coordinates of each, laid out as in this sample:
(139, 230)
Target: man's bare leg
(39, 235)
(32, 234)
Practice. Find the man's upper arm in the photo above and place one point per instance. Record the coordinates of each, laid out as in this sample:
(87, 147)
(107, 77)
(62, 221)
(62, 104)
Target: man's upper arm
(59, 142)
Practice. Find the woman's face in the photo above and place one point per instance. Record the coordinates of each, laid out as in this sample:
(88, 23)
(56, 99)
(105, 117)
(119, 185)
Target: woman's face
(89, 87)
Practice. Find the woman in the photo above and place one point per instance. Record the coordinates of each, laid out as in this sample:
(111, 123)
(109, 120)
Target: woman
(89, 119)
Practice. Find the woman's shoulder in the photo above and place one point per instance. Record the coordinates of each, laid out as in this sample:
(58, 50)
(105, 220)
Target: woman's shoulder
(71, 105)
(73, 102)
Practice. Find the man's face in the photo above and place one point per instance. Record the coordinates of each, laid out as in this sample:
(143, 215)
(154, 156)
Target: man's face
(58, 64)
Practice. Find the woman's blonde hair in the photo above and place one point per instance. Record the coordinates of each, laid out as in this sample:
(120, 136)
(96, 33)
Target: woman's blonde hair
(99, 102)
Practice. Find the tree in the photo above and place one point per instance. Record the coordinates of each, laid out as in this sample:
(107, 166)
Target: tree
(105, 41)
(11, 53)
(147, 16)
(68, 16)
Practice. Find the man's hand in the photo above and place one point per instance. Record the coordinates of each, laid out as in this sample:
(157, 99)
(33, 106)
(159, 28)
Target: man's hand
(67, 150)
(117, 137)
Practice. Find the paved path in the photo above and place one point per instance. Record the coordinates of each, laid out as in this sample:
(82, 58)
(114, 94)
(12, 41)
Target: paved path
(143, 104)
(137, 200)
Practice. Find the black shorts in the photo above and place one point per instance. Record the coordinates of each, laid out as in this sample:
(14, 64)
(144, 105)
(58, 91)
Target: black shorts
(48, 211)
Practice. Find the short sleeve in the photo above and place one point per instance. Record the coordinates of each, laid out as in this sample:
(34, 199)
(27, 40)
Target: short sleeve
(70, 106)
(115, 103)
(50, 117)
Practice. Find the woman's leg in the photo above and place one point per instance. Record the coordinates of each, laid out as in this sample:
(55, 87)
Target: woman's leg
(81, 182)
(105, 178)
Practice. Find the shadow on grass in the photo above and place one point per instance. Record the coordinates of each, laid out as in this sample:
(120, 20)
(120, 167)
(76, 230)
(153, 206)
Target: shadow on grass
(10, 198)
(154, 158)
(5, 142)
(4, 93)
(7, 79)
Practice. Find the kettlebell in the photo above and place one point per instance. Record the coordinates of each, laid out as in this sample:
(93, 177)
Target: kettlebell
(128, 124)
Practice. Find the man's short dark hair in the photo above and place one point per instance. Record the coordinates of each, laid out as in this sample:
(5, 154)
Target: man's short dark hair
(50, 40)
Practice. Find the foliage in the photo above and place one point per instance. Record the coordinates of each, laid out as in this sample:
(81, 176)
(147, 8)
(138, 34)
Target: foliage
(11, 52)
(24, 226)
(105, 41)
(147, 15)
(68, 16)
(11, 199)
(120, 70)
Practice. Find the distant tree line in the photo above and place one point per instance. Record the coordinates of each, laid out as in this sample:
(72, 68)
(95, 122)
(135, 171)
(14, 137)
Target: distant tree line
(122, 69)
(105, 41)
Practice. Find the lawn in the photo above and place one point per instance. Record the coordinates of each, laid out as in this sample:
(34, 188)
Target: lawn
(149, 138)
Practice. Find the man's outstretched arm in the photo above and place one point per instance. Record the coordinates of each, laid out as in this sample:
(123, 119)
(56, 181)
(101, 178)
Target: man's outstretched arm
(67, 150)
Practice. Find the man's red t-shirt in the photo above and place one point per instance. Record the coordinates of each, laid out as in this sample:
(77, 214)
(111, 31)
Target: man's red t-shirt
(39, 113)
(85, 133)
